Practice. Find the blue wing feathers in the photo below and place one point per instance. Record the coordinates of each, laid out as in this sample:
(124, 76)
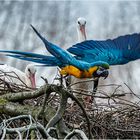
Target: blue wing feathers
(62, 55)
(114, 51)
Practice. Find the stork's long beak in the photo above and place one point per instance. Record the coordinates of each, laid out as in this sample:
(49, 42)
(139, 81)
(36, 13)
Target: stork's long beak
(33, 82)
(82, 29)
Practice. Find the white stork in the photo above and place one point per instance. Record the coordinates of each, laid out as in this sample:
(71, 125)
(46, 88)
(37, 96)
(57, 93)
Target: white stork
(81, 24)
(13, 75)
(81, 32)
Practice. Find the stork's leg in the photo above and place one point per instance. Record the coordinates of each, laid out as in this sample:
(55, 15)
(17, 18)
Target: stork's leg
(94, 89)
(61, 80)
(90, 99)
(68, 80)
(96, 82)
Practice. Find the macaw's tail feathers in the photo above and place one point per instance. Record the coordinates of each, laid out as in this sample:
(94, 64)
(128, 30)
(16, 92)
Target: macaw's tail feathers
(48, 62)
(40, 36)
(62, 55)
(33, 57)
(52, 48)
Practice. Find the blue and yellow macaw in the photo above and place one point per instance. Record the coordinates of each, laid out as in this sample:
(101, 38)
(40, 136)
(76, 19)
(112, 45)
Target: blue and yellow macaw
(118, 51)
(87, 55)
(69, 65)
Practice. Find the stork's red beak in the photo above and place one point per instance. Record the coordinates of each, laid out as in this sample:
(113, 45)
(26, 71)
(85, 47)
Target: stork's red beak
(33, 82)
(82, 29)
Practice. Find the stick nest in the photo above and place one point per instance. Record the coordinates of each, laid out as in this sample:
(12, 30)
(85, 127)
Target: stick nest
(111, 116)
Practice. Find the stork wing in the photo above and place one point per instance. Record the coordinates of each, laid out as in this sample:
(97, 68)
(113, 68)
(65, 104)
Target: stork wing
(120, 50)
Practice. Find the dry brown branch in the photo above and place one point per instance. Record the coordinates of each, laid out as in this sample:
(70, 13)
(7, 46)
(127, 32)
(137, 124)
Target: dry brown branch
(61, 109)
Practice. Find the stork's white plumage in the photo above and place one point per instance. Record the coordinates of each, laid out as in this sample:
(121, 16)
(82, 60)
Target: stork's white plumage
(13, 75)
(81, 25)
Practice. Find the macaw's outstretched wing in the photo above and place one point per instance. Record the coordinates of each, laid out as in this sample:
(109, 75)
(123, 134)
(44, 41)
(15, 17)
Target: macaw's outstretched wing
(116, 51)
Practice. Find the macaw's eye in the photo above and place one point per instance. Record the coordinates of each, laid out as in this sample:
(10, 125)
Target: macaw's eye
(101, 69)
(78, 22)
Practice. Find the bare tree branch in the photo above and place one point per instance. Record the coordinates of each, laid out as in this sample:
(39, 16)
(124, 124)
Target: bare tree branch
(75, 132)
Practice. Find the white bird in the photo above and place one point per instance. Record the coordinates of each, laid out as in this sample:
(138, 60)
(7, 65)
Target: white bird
(13, 75)
(81, 25)
(81, 32)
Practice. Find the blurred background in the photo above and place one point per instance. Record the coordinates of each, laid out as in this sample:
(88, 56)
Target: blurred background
(57, 21)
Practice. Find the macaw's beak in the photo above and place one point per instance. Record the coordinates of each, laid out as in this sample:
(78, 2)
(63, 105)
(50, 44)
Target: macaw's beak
(33, 82)
(102, 73)
(82, 29)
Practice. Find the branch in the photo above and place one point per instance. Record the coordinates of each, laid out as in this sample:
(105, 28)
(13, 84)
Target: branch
(65, 95)
(84, 112)
(83, 81)
(13, 109)
(75, 132)
(31, 126)
(62, 107)
(26, 95)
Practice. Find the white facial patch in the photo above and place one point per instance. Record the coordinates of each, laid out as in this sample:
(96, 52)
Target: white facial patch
(30, 69)
(81, 21)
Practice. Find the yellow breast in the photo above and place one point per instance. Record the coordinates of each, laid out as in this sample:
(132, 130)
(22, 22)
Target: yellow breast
(71, 70)
(89, 73)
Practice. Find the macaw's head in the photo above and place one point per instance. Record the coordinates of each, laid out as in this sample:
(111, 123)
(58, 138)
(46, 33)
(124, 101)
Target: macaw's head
(101, 72)
(102, 69)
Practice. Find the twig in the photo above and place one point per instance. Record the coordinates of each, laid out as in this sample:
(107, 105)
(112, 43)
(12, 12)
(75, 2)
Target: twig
(132, 91)
(74, 132)
(20, 137)
(26, 95)
(61, 109)
(83, 81)
(31, 126)
(83, 110)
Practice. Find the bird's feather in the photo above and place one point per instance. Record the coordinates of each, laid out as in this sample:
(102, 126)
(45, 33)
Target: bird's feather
(50, 60)
(120, 50)
(65, 57)
(68, 63)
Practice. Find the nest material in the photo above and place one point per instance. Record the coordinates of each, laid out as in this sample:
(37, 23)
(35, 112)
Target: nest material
(114, 117)
(8, 84)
